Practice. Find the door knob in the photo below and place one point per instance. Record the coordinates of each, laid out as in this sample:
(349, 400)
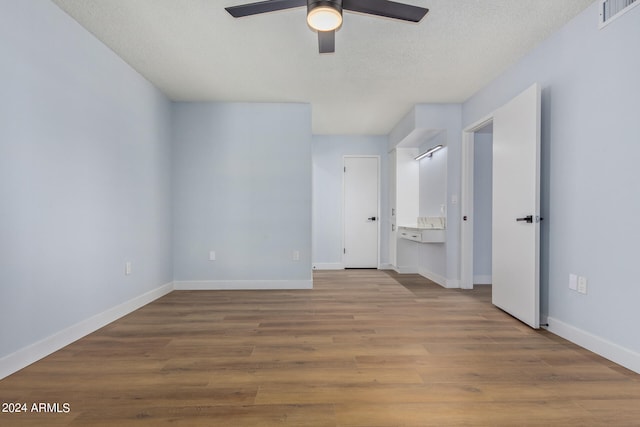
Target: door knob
(371, 218)
(528, 219)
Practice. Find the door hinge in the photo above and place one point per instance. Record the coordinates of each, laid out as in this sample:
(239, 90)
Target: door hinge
(345, 168)
(344, 250)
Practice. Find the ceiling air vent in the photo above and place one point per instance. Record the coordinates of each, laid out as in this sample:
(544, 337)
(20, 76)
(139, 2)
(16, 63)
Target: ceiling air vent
(611, 10)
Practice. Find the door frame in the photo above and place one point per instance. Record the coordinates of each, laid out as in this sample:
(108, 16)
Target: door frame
(466, 201)
(379, 221)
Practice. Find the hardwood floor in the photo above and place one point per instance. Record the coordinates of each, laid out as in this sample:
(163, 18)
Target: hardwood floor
(363, 348)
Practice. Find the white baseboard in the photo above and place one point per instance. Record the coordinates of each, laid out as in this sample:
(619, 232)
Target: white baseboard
(406, 270)
(440, 280)
(328, 266)
(26, 356)
(386, 267)
(614, 352)
(452, 284)
(228, 285)
(482, 280)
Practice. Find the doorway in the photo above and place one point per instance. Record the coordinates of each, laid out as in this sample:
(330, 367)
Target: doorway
(477, 204)
(482, 204)
(361, 211)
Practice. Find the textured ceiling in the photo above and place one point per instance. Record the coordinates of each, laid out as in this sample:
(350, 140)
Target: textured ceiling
(193, 50)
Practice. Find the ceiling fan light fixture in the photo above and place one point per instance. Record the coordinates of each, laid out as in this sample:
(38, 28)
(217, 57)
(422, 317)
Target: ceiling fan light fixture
(324, 18)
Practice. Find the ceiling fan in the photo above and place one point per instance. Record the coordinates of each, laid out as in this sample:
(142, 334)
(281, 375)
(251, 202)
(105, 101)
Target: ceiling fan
(325, 16)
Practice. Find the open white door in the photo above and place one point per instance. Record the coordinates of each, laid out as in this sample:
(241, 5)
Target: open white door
(361, 188)
(516, 207)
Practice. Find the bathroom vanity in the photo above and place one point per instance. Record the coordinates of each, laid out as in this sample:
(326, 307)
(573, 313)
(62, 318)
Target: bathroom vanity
(426, 230)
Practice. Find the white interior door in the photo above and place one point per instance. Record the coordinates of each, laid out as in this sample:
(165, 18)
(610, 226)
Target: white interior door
(516, 207)
(360, 196)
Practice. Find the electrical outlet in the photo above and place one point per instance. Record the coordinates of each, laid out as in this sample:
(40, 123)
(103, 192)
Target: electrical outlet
(212, 255)
(582, 285)
(127, 268)
(573, 282)
(295, 255)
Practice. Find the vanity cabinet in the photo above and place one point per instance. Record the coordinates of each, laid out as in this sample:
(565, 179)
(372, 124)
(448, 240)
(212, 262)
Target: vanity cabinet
(422, 235)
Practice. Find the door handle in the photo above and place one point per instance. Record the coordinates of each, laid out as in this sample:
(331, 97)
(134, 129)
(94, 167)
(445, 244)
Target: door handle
(528, 219)
(371, 218)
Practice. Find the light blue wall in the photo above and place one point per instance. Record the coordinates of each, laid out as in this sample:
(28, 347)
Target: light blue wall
(242, 187)
(328, 152)
(443, 259)
(482, 206)
(84, 176)
(433, 196)
(433, 178)
(590, 174)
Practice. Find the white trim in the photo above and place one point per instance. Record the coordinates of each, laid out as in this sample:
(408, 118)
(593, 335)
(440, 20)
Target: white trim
(466, 209)
(482, 279)
(452, 284)
(614, 352)
(406, 269)
(252, 285)
(328, 266)
(440, 280)
(26, 356)
(386, 266)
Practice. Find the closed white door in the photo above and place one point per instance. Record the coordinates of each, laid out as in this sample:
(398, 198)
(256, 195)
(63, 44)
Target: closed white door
(360, 201)
(516, 207)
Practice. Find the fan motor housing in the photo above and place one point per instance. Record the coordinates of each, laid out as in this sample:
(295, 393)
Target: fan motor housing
(334, 4)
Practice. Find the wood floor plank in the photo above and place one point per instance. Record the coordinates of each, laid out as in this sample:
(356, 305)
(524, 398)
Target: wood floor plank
(539, 413)
(368, 393)
(363, 348)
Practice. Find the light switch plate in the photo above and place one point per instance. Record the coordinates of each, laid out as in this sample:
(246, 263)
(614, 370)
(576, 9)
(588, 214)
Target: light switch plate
(582, 285)
(573, 282)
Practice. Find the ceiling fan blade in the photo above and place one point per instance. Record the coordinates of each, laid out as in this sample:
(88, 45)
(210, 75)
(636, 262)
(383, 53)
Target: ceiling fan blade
(386, 8)
(263, 7)
(327, 41)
